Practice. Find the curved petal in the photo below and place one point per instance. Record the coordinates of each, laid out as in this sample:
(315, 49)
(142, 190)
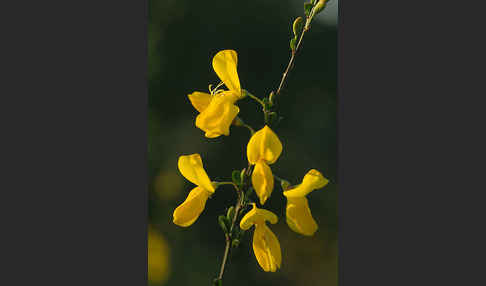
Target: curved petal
(266, 248)
(257, 216)
(224, 64)
(216, 119)
(299, 217)
(313, 180)
(262, 181)
(192, 169)
(188, 212)
(264, 144)
(200, 100)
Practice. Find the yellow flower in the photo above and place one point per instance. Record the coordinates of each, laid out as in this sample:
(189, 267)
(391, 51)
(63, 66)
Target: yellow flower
(263, 149)
(192, 169)
(217, 110)
(298, 214)
(265, 244)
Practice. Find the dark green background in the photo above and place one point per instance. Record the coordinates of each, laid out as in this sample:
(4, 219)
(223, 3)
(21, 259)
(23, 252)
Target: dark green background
(183, 36)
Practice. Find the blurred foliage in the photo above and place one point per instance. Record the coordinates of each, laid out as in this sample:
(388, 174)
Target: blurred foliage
(183, 36)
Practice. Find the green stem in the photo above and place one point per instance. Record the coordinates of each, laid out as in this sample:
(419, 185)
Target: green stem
(255, 98)
(252, 131)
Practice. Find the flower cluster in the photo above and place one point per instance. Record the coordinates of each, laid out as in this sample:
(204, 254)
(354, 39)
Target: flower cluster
(217, 113)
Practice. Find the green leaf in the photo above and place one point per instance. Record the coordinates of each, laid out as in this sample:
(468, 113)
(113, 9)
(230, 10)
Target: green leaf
(223, 222)
(308, 8)
(242, 176)
(230, 214)
(235, 243)
(297, 26)
(292, 44)
(236, 177)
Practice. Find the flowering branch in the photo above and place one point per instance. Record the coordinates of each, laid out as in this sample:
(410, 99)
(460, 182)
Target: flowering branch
(217, 113)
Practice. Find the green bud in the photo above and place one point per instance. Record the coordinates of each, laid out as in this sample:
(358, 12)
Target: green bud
(235, 243)
(237, 121)
(271, 97)
(320, 6)
(223, 222)
(217, 282)
(230, 214)
(236, 177)
(293, 43)
(285, 184)
(244, 93)
(297, 26)
(242, 175)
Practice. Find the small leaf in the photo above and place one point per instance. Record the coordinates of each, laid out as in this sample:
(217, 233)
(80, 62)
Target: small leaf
(236, 177)
(320, 6)
(235, 243)
(223, 222)
(297, 26)
(292, 44)
(230, 214)
(308, 8)
(242, 176)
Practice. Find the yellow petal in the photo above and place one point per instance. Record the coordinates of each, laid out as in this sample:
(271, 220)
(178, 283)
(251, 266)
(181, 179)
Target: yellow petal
(200, 100)
(191, 168)
(224, 64)
(216, 119)
(313, 180)
(264, 144)
(299, 217)
(266, 248)
(257, 216)
(188, 212)
(262, 181)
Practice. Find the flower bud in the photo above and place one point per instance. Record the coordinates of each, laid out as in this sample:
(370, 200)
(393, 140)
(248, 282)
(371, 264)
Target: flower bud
(242, 175)
(297, 26)
(320, 6)
(237, 121)
(235, 243)
(285, 184)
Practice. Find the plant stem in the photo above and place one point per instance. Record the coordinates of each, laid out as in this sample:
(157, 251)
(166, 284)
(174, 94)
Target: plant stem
(292, 58)
(238, 206)
(255, 98)
(225, 257)
(252, 131)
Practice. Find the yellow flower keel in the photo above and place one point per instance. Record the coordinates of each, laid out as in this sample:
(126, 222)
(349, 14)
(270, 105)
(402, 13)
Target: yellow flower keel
(299, 217)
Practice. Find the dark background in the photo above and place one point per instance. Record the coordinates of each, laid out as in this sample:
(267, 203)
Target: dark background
(183, 37)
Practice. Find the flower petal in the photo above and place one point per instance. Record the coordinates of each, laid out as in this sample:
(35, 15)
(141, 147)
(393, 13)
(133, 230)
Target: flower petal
(257, 216)
(262, 181)
(264, 144)
(200, 100)
(224, 64)
(266, 248)
(188, 212)
(191, 168)
(216, 119)
(299, 217)
(313, 180)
